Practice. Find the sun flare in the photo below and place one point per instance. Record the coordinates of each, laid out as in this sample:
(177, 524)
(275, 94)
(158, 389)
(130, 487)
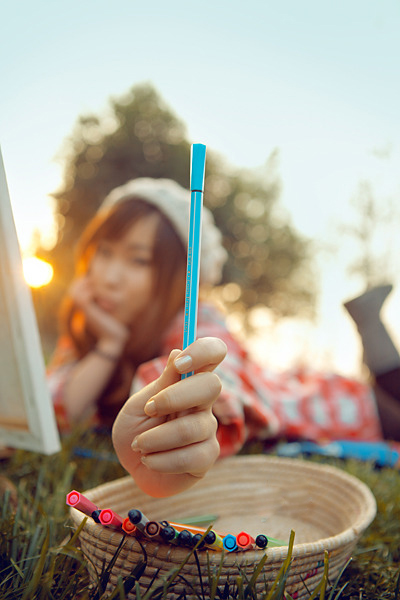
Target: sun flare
(37, 272)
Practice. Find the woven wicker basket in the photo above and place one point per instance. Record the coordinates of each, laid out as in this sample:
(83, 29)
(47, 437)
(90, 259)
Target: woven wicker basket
(325, 507)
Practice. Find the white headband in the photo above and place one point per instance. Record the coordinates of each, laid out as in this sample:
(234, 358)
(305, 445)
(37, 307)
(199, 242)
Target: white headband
(174, 201)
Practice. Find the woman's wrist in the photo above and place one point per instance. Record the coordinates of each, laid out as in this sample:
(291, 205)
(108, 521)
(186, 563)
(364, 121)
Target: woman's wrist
(112, 357)
(109, 349)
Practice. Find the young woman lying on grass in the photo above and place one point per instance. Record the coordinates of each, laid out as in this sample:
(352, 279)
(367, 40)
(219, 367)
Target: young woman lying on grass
(121, 338)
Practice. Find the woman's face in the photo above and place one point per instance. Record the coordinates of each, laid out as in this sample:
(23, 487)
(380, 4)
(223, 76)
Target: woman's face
(122, 271)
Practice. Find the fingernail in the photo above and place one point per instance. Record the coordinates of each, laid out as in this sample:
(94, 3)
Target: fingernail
(183, 362)
(150, 408)
(134, 445)
(144, 461)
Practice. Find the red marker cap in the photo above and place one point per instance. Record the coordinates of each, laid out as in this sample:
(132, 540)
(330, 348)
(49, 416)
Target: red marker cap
(128, 527)
(244, 540)
(80, 502)
(110, 518)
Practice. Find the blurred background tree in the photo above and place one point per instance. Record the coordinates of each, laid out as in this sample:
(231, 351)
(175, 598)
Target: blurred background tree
(139, 136)
(373, 263)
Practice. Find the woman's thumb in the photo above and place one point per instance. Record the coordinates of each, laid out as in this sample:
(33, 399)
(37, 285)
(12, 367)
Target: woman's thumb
(169, 376)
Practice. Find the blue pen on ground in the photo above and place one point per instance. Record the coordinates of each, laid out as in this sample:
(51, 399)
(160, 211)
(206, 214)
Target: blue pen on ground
(197, 171)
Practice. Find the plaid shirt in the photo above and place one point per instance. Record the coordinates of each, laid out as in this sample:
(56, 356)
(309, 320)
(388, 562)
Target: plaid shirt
(255, 404)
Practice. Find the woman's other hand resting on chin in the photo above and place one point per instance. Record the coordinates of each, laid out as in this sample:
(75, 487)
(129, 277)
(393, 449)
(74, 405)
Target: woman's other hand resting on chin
(165, 434)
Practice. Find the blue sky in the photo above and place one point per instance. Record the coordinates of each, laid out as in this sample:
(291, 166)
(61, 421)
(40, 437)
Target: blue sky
(317, 80)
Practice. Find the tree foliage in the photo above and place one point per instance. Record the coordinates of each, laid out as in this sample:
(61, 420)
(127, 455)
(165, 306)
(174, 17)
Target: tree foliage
(371, 234)
(138, 136)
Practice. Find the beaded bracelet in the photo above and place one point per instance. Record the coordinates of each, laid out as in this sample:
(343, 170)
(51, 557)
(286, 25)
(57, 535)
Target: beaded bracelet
(106, 355)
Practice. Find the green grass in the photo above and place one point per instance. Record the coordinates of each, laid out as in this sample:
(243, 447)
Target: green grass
(40, 556)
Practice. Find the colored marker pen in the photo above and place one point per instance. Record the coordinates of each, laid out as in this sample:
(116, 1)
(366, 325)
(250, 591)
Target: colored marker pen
(229, 543)
(95, 515)
(138, 518)
(152, 530)
(80, 502)
(197, 171)
(128, 527)
(193, 529)
(184, 538)
(244, 540)
(261, 541)
(110, 518)
(213, 540)
(168, 534)
(198, 539)
(274, 542)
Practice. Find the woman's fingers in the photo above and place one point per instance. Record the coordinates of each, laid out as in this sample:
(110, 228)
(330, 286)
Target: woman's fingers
(195, 459)
(203, 355)
(196, 392)
(183, 431)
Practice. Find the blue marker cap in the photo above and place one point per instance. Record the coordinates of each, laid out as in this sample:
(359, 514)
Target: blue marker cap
(229, 543)
(197, 167)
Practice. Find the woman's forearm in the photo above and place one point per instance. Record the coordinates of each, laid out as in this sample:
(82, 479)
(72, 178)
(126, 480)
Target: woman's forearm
(87, 381)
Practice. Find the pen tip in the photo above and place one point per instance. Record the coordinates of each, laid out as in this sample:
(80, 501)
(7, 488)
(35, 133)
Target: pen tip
(197, 167)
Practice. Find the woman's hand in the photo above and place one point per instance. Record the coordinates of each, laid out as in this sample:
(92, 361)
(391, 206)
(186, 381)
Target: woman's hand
(165, 435)
(111, 334)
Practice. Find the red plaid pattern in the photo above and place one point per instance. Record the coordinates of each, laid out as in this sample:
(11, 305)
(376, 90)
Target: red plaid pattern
(254, 403)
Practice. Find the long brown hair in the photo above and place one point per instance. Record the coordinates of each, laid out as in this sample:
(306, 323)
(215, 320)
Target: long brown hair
(169, 261)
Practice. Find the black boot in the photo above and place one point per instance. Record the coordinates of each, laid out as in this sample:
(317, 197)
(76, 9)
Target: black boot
(390, 382)
(379, 353)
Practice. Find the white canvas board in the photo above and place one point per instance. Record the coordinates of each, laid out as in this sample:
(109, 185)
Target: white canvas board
(27, 417)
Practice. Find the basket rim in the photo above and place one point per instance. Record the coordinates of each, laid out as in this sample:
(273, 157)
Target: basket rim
(330, 543)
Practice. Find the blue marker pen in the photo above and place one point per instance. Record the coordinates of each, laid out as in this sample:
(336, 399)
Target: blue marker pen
(197, 171)
(229, 543)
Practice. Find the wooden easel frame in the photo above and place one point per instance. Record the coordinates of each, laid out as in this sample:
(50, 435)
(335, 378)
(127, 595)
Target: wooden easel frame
(26, 412)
